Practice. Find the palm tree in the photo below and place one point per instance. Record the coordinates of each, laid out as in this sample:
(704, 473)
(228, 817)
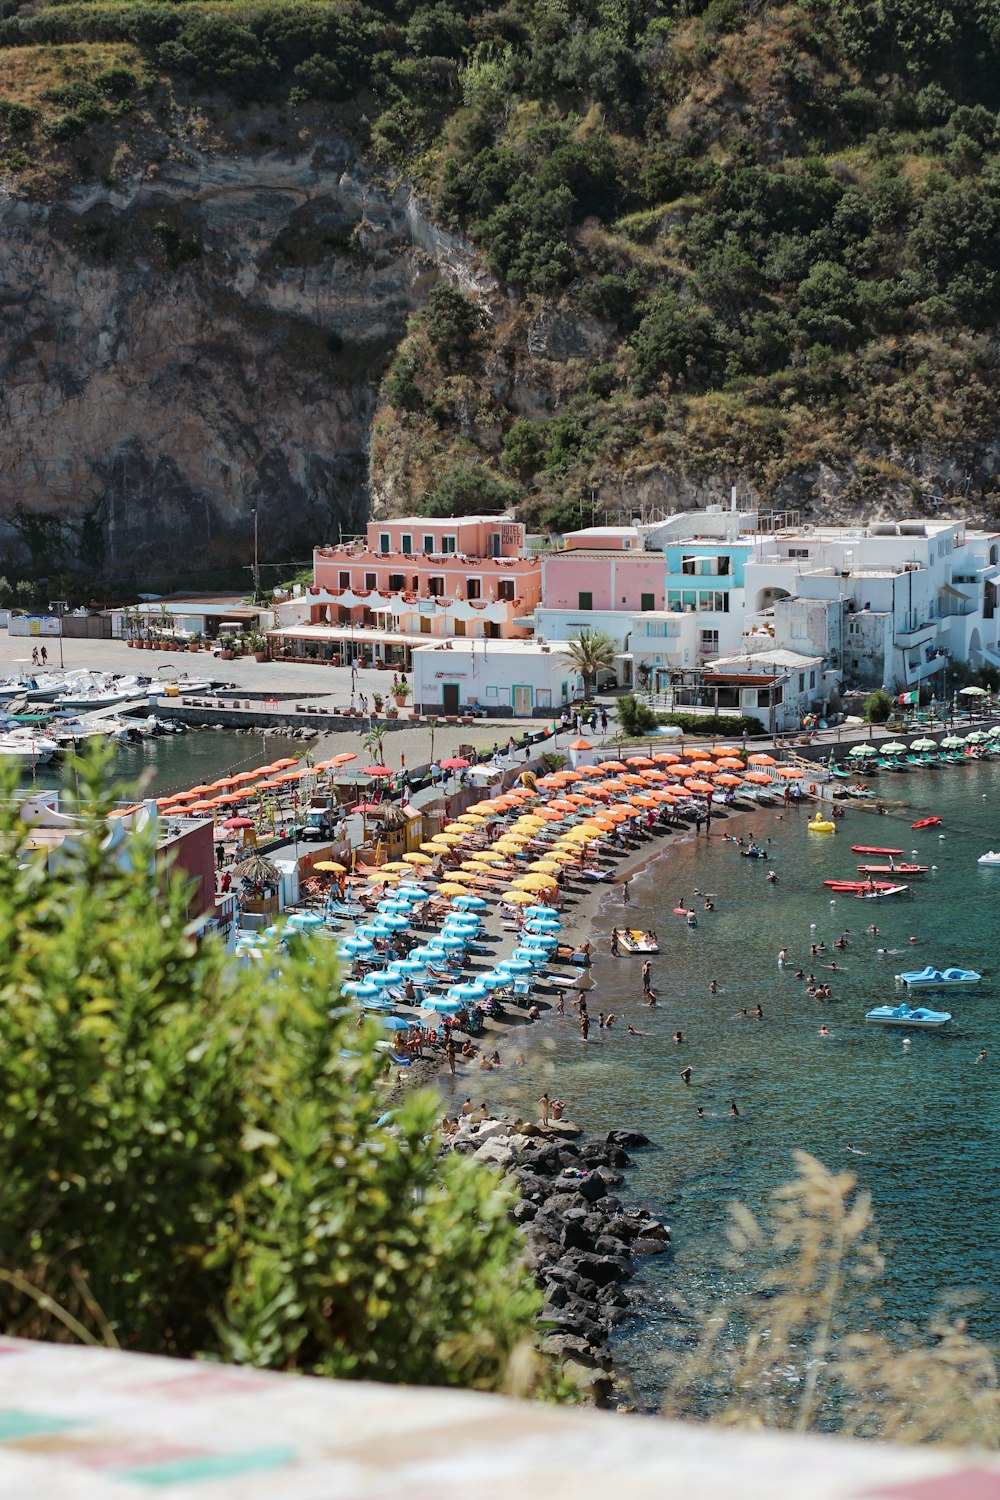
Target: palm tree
(373, 743)
(590, 652)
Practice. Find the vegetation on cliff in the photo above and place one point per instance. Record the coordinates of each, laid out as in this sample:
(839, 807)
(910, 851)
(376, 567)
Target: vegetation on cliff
(729, 237)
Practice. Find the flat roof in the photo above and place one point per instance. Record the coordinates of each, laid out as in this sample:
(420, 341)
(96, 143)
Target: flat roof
(429, 522)
(483, 646)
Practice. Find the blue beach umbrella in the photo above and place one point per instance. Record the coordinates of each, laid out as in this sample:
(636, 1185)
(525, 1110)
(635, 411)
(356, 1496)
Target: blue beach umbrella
(393, 1023)
(467, 992)
(394, 908)
(408, 967)
(541, 911)
(412, 893)
(383, 979)
(493, 978)
(425, 951)
(361, 989)
(305, 919)
(442, 1005)
(546, 940)
(451, 942)
(514, 965)
(356, 946)
(469, 903)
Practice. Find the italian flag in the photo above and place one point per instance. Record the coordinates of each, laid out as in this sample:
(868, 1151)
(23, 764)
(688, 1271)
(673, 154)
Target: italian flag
(911, 697)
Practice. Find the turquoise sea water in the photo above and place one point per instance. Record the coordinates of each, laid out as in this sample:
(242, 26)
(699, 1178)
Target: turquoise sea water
(927, 1115)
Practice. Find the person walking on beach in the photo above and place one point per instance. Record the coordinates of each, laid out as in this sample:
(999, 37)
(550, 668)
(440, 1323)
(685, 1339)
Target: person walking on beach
(585, 1026)
(625, 895)
(561, 1005)
(614, 942)
(449, 1052)
(543, 1104)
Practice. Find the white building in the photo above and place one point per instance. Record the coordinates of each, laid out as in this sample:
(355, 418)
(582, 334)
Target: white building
(520, 679)
(777, 687)
(888, 604)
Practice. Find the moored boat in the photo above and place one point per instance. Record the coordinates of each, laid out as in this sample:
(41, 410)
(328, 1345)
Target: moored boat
(930, 978)
(860, 886)
(900, 869)
(926, 823)
(903, 1015)
(990, 858)
(871, 849)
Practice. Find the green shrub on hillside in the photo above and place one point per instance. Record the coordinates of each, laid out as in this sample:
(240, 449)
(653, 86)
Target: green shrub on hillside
(469, 490)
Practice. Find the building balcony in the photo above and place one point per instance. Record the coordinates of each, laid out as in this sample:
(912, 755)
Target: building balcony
(920, 635)
(410, 602)
(699, 581)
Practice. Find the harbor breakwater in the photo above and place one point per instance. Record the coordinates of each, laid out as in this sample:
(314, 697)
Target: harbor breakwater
(584, 1243)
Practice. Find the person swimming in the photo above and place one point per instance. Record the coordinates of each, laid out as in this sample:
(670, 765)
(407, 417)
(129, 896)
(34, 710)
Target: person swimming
(824, 1031)
(678, 1038)
(685, 1077)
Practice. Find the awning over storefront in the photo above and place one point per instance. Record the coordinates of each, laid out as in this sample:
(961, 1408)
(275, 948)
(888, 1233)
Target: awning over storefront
(340, 634)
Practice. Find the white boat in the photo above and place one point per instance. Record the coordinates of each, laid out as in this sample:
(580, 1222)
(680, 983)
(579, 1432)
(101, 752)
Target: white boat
(102, 693)
(902, 1015)
(930, 978)
(990, 858)
(26, 748)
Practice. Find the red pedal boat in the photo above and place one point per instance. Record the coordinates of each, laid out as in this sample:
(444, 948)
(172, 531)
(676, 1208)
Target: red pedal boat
(870, 849)
(926, 823)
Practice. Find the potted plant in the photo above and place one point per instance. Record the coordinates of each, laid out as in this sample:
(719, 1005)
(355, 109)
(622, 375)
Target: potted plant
(258, 645)
(401, 692)
(392, 712)
(378, 699)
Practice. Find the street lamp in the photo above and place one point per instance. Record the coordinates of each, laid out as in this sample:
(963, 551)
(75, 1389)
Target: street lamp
(256, 563)
(59, 605)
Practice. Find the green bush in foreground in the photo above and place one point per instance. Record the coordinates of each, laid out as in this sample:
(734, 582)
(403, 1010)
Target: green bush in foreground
(189, 1162)
(721, 724)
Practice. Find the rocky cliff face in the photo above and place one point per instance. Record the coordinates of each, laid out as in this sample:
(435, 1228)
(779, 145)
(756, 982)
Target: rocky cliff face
(204, 339)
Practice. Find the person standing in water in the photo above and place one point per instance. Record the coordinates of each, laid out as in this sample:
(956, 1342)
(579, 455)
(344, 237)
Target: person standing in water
(685, 1076)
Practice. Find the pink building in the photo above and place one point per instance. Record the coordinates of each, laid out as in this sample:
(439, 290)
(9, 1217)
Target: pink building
(583, 580)
(375, 597)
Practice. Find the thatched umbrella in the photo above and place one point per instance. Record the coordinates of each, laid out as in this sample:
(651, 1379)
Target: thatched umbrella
(259, 872)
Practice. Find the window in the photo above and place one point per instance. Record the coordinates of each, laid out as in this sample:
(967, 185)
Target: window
(586, 601)
(802, 682)
(428, 543)
(715, 601)
(494, 544)
(812, 679)
(435, 587)
(371, 581)
(406, 543)
(384, 542)
(710, 642)
(473, 588)
(543, 697)
(396, 583)
(345, 580)
(448, 544)
(647, 601)
(798, 551)
(505, 588)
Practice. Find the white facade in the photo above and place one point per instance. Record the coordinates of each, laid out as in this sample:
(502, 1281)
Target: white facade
(506, 679)
(778, 687)
(893, 602)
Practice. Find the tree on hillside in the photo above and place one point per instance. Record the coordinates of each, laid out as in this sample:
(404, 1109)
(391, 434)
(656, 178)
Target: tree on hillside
(470, 490)
(190, 1162)
(590, 652)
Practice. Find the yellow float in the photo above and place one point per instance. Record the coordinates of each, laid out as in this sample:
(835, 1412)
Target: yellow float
(821, 825)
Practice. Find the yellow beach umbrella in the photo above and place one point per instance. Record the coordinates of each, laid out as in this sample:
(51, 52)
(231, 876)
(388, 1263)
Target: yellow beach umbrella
(417, 859)
(485, 857)
(535, 883)
(544, 867)
(331, 867)
(397, 866)
(471, 817)
(526, 898)
(452, 888)
(447, 838)
(579, 835)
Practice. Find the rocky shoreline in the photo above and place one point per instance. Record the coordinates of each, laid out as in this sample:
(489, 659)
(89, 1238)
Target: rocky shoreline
(584, 1243)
